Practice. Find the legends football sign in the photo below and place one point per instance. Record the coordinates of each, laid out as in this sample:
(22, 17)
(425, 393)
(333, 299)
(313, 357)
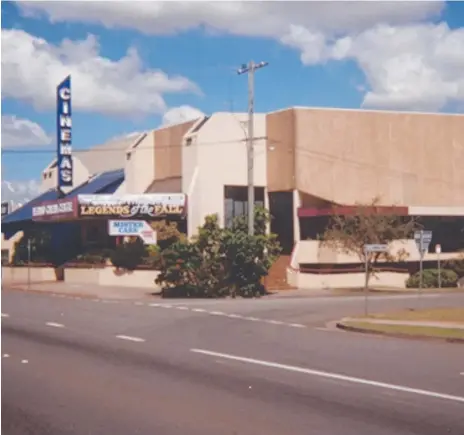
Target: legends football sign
(144, 206)
(63, 128)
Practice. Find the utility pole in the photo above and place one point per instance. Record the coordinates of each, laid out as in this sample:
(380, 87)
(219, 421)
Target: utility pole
(250, 69)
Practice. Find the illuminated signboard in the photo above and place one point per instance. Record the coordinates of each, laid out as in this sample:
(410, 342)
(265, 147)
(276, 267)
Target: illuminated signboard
(63, 126)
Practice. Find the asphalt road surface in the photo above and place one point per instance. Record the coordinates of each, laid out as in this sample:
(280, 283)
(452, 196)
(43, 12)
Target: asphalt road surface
(75, 366)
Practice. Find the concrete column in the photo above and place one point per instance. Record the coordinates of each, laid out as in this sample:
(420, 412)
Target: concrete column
(296, 220)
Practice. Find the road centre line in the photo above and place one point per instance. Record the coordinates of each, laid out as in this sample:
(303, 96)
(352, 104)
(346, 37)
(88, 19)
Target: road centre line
(198, 310)
(5, 315)
(55, 325)
(181, 307)
(329, 375)
(129, 338)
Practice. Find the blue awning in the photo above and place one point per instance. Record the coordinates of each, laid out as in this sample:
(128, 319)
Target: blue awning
(106, 182)
(24, 213)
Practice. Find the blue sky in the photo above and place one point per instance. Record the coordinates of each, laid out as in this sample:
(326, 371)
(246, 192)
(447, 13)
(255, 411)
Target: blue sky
(338, 58)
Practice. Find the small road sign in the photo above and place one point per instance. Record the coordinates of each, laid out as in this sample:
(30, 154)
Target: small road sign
(376, 248)
(422, 239)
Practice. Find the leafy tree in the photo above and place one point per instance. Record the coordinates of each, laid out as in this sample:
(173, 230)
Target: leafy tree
(129, 255)
(368, 225)
(167, 233)
(40, 245)
(218, 261)
(249, 258)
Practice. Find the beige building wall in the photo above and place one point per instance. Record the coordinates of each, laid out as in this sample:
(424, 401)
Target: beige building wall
(350, 156)
(216, 156)
(49, 176)
(168, 150)
(9, 244)
(140, 168)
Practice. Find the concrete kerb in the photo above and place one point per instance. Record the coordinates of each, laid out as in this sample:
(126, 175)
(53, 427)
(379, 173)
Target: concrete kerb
(344, 325)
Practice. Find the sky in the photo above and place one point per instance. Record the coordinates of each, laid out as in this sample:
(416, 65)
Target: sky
(138, 65)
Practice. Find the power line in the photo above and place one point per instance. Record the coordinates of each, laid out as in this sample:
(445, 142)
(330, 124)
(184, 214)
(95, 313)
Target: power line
(111, 149)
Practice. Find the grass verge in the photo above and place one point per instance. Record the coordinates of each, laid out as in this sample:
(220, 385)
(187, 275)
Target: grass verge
(452, 314)
(449, 334)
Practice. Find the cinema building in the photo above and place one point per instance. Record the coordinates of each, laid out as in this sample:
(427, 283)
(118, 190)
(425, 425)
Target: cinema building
(306, 161)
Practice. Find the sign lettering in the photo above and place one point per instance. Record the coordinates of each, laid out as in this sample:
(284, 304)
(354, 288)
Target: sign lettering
(64, 138)
(132, 206)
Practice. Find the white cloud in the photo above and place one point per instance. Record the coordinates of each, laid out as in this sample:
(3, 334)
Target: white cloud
(17, 132)
(416, 67)
(408, 63)
(269, 19)
(32, 68)
(20, 192)
(180, 114)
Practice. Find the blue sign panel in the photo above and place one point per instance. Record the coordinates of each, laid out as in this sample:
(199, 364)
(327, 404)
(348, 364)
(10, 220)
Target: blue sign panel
(63, 128)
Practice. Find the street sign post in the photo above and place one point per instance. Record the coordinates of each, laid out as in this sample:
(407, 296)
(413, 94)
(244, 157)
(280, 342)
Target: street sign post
(136, 228)
(422, 239)
(369, 249)
(438, 252)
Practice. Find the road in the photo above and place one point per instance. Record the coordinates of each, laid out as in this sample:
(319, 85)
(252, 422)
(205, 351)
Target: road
(77, 366)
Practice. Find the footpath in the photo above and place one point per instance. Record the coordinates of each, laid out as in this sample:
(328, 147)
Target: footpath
(82, 290)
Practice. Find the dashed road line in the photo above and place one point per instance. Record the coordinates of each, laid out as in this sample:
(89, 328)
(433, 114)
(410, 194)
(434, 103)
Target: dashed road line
(275, 322)
(5, 355)
(24, 361)
(5, 315)
(296, 325)
(229, 315)
(55, 325)
(129, 338)
(253, 319)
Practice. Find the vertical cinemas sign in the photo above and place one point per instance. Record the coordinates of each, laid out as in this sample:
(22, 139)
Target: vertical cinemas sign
(64, 124)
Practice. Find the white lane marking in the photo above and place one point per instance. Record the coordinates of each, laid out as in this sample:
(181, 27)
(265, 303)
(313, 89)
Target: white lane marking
(5, 315)
(235, 316)
(5, 355)
(275, 322)
(55, 325)
(462, 373)
(296, 325)
(166, 306)
(129, 338)
(252, 319)
(330, 375)
(199, 310)
(217, 313)
(182, 308)
(24, 361)
(154, 305)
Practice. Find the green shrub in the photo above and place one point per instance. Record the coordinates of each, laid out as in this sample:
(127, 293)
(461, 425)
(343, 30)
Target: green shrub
(456, 265)
(219, 262)
(128, 255)
(449, 278)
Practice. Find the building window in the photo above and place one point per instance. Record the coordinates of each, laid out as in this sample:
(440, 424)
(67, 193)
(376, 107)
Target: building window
(236, 202)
